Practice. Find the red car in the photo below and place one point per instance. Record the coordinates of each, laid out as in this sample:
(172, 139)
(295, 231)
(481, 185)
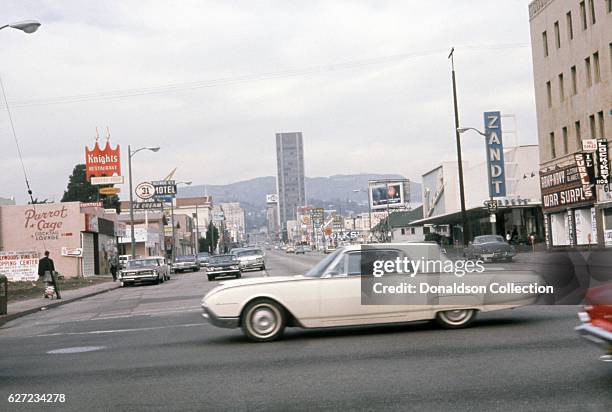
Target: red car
(597, 319)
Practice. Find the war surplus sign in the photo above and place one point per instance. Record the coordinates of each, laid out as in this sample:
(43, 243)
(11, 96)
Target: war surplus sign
(566, 187)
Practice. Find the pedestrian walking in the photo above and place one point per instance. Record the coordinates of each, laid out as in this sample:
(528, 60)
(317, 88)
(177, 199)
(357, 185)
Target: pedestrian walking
(113, 263)
(46, 271)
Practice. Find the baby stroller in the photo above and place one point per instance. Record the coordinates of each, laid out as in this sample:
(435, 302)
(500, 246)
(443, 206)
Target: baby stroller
(50, 286)
(49, 292)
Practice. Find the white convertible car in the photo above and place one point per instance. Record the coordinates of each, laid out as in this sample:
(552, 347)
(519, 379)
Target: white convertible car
(333, 293)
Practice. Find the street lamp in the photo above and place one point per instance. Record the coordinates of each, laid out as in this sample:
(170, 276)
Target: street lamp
(26, 26)
(130, 155)
(461, 130)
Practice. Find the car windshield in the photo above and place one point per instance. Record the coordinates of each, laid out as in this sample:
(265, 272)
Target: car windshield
(487, 239)
(221, 259)
(320, 267)
(185, 258)
(254, 252)
(140, 263)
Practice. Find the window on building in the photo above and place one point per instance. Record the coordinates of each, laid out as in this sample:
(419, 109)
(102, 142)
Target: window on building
(578, 135)
(587, 68)
(561, 88)
(557, 35)
(545, 43)
(549, 94)
(592, 11)
(570, 26)
(609, 5)
(403, 231)
(412, 231)
(565, 141)
(592, 126)
(602, 128)
(583, 16)
(596, 70)
(574, 82)
(553, 152)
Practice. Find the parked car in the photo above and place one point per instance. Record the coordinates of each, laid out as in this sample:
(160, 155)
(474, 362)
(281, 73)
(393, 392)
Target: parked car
(300, 249)
(307, 248)
(203, 258)
(151, 269)
(222, 265)
(329, 249)
(186, 263)
(330, 295)
(490, 248)
(290, 249)
(597, 319)
(123, 259)
(251, 259)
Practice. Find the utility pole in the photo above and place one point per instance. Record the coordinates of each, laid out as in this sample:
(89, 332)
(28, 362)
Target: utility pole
(464, 222)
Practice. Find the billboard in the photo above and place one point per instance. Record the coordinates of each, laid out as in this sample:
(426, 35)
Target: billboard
(272, 199)
(387, 195)
(19, 266)
(102, 161)
(495, 154)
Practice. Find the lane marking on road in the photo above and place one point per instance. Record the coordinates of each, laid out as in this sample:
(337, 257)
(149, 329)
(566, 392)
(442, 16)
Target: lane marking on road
(102, 332)
(76, 349)
(150, 313)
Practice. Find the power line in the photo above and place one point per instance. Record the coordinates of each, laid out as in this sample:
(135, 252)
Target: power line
(233, 80)
(25, 175)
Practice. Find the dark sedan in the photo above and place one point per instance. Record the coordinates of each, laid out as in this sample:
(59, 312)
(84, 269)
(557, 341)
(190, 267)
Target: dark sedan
(490, 248)
(222, 265)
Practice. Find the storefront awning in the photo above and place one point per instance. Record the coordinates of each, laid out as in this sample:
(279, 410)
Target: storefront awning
(454, 218)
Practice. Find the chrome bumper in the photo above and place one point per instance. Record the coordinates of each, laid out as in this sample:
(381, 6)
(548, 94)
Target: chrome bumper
(596, 335)
(229, 323)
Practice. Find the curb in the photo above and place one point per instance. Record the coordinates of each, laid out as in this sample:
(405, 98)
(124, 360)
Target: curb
(12, 316)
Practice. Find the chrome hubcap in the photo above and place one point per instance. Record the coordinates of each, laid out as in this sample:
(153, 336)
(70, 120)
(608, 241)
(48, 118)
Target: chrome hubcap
(456, 316)
(263, 320)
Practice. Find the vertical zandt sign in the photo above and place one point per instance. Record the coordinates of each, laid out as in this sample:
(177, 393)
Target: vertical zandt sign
(495, 154)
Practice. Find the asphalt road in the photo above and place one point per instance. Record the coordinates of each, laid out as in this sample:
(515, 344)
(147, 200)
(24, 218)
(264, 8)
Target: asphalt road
(151, 350)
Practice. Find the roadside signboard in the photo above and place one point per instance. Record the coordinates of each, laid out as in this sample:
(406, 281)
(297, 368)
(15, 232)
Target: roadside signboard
(385, 195)
(147, 205)
(495, 154)
(72, 251)
(85, 205)
(107, 180)
(589, 145)
(603, 164)
(19, 266)
(164, 189)
(109, 190)
(102, 161)
(145, 190)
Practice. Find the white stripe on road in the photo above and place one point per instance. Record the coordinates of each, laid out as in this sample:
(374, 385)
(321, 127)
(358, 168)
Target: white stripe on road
(150, 313)
(101, 332)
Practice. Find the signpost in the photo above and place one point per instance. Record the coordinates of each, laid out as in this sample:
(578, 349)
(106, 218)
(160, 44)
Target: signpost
(109, 190)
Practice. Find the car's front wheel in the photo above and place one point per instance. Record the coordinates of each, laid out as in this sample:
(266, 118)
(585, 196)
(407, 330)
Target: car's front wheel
(211, 278)
(263, 320)
(455, 319)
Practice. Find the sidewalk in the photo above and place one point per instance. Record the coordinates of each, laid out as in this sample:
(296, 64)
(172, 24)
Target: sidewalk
(26, 307)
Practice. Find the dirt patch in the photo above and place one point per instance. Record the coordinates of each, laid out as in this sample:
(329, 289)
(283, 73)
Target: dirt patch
(28, 290)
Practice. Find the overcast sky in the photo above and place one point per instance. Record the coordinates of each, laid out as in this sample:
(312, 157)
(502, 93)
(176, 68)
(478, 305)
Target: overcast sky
(211, 82)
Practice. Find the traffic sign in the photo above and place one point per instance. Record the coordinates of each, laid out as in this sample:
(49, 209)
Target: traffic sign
(109, 190)
(145, 190)
(492, 206)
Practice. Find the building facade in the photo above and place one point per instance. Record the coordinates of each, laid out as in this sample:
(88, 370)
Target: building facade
(290, 176)
(572, 63)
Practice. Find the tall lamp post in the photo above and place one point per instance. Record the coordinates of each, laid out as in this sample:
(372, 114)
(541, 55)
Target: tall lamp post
(130, 155)
(464, 221)
(461, 130)
(26, 26)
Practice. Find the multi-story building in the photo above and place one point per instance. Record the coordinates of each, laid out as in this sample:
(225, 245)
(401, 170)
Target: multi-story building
(290, 179)
(200, 209)
(272, 217)
(572, 63)
(234, 220)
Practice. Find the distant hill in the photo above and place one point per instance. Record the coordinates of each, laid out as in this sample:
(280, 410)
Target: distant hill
(327, 192)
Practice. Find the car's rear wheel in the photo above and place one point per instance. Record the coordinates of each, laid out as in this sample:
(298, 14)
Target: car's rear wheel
(455, 319)
(263, 320)
(211, 278)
